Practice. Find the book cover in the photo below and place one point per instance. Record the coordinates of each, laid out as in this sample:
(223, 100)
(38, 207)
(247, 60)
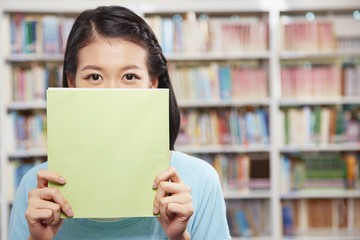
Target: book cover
(243, 224)
(109, 144)
(288, 223)
(167, 35)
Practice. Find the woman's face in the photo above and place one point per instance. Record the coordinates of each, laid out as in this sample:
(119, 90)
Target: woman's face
(112, 63)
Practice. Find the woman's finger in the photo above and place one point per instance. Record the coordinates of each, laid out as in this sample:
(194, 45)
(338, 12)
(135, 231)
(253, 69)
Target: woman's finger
(183, 199)
(44, 175)
(34, 215)
(169, 173)
(52, 194)
(169, 188)
(184, 211)
(42, 204)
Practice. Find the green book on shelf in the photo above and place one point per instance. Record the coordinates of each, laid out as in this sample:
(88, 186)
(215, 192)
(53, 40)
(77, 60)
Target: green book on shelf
(317, 127)
(339, 125)
(287, 134)
(109, 144)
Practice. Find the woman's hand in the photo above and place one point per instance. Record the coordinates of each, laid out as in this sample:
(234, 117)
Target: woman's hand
(45, 205)
(173, 201)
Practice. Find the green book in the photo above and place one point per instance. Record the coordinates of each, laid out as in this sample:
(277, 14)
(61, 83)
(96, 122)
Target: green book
(340, 125)
(287, 136)
(109, 144)
(317, 123)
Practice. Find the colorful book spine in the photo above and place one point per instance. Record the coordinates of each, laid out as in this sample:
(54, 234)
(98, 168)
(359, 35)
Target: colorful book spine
(29, 131)
(309, 36)
(238, 172)
(311, 126)
(249, 218)
(243, 224)
(32, 34)
(351, 80)
(288, 222)
(30, 84)
(224, 127)
(319, 171)
(306, 82)
(213, 82)
(190, 35)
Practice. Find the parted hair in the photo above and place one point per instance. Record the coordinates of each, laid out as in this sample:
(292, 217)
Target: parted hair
(120, 22)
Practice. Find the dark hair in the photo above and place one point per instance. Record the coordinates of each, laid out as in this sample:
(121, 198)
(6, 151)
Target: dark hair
(114, 22)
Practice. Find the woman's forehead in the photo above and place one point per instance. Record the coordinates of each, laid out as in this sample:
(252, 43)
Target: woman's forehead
(112, 51)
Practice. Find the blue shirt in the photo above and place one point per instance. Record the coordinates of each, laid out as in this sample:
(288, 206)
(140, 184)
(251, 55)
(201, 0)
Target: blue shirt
(207, 222)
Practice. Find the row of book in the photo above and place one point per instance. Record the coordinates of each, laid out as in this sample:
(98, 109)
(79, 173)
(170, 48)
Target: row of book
(214, 83)
(306, 216)
(249, 218)
(319, 125)
(351, 80)
(191, 35)
(241, 172)
(30, 84)
(309, 36)
(348, 44)
(319, 171)
(39, 34)
(224, 127)
(310, 81)
(29, 130)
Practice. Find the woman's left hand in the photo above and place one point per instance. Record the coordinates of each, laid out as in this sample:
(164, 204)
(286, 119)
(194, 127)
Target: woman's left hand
(173, 201)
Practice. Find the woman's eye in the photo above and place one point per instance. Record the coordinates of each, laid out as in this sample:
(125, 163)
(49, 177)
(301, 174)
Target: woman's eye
(95, 77)
(129, 77)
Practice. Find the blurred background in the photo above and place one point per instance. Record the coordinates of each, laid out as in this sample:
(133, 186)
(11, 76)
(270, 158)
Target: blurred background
(269, 93)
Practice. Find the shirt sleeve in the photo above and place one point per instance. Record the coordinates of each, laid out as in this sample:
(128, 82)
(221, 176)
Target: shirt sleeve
(18, 226)
(210, 220)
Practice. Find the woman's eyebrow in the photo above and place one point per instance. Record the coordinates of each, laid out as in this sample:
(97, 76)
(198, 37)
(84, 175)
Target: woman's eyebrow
(93, 67)
(132, 66)
(127, 67)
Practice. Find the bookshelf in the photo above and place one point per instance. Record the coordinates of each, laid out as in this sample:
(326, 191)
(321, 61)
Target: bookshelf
(271, 59)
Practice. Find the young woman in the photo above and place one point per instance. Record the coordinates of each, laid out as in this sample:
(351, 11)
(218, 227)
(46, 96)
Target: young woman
(112, 47)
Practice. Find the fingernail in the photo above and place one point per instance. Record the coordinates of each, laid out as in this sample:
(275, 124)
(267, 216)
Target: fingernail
(62, 180)
(156, 210)
(70, 213)
(154, 185)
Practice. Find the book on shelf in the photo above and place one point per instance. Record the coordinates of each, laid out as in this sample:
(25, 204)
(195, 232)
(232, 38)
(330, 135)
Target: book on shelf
(309, 36)
(30, 83)
(320, 125)
(304, 81)
(347, 32)
(319, 171)
(216, 82)
(249, 218)
(224, 127)
(209, 34)
(39, 34)
(243, 223)
(348, 44)
(324, 34)
(351, 79)
(352, 171)
(29, 131)
(287, 220)
(311, 215)
(240, 172)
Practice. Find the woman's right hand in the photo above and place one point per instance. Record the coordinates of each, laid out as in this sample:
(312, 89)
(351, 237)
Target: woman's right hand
(45, 205)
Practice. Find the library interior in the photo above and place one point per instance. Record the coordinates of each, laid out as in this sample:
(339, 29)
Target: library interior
(269, 95)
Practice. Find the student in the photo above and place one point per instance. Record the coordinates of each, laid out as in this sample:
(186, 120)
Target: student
(112, 47)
